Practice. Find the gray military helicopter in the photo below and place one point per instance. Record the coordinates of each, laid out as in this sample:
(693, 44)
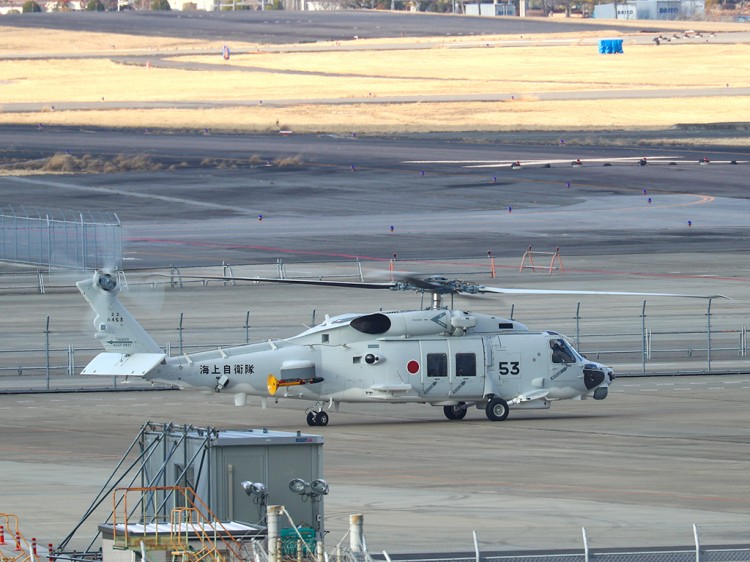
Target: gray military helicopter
(438, 355)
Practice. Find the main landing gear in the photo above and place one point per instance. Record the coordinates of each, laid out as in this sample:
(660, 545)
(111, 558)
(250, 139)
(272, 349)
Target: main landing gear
(457, 412)
(317, 417)
(496, 410)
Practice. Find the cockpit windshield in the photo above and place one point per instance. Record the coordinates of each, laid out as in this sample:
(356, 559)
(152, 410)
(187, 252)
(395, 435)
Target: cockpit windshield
(562, 352)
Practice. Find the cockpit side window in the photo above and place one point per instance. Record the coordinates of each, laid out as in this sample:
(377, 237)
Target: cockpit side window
(561, 351)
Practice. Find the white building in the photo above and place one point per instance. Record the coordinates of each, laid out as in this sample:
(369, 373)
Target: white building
(650, 10)
(487, 9)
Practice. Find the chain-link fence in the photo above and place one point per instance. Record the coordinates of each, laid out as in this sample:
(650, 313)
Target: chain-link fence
(60, 238)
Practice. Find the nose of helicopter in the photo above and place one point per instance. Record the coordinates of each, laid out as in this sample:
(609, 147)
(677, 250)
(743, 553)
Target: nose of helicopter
(597, 377)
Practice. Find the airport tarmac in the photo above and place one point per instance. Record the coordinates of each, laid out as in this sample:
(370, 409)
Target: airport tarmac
(638, 469)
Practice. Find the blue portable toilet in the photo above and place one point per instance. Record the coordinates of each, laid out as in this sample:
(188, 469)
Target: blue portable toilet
(610, 46)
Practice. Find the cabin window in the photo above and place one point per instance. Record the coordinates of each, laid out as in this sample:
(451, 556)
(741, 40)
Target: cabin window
(437, 365)
(466, 364)
(324, 338)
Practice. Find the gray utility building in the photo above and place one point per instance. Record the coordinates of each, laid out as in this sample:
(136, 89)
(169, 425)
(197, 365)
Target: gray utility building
(216, 463)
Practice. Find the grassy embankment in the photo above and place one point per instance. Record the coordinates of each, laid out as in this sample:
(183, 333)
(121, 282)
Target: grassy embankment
(337, 90)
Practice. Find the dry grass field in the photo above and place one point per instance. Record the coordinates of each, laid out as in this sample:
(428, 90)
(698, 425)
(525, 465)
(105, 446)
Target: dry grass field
(337, 89)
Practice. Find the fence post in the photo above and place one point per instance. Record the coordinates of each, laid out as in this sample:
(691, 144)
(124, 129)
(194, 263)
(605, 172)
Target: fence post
(46, 351)
(247, 327)
(179, 330)
(708, 333)
(476, 545)
(71, 360)
(40, 282)
(697, 543)
(643, 338)
(743, 341)
(585, 545)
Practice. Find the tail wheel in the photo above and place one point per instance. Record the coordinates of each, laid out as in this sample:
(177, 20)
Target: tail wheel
(497, 409)
(457, 412)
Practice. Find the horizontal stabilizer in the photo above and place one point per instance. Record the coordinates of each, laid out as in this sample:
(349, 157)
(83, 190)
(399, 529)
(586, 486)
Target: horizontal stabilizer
(136, 365)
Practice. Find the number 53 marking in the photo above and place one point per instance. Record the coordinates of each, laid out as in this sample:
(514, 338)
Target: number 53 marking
(509, 367)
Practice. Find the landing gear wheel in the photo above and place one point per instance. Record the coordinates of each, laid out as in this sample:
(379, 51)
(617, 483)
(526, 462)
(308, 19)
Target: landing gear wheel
(321, 418)
(457, 412)
(497, 409)
(311, 418)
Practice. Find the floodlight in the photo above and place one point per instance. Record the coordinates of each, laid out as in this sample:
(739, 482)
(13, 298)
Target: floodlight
(297, 486)
(319, 487)
(256, 489)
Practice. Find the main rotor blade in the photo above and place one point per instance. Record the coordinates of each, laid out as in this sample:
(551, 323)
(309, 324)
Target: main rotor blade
(353, 284)
(410, 282)
(506, 291)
